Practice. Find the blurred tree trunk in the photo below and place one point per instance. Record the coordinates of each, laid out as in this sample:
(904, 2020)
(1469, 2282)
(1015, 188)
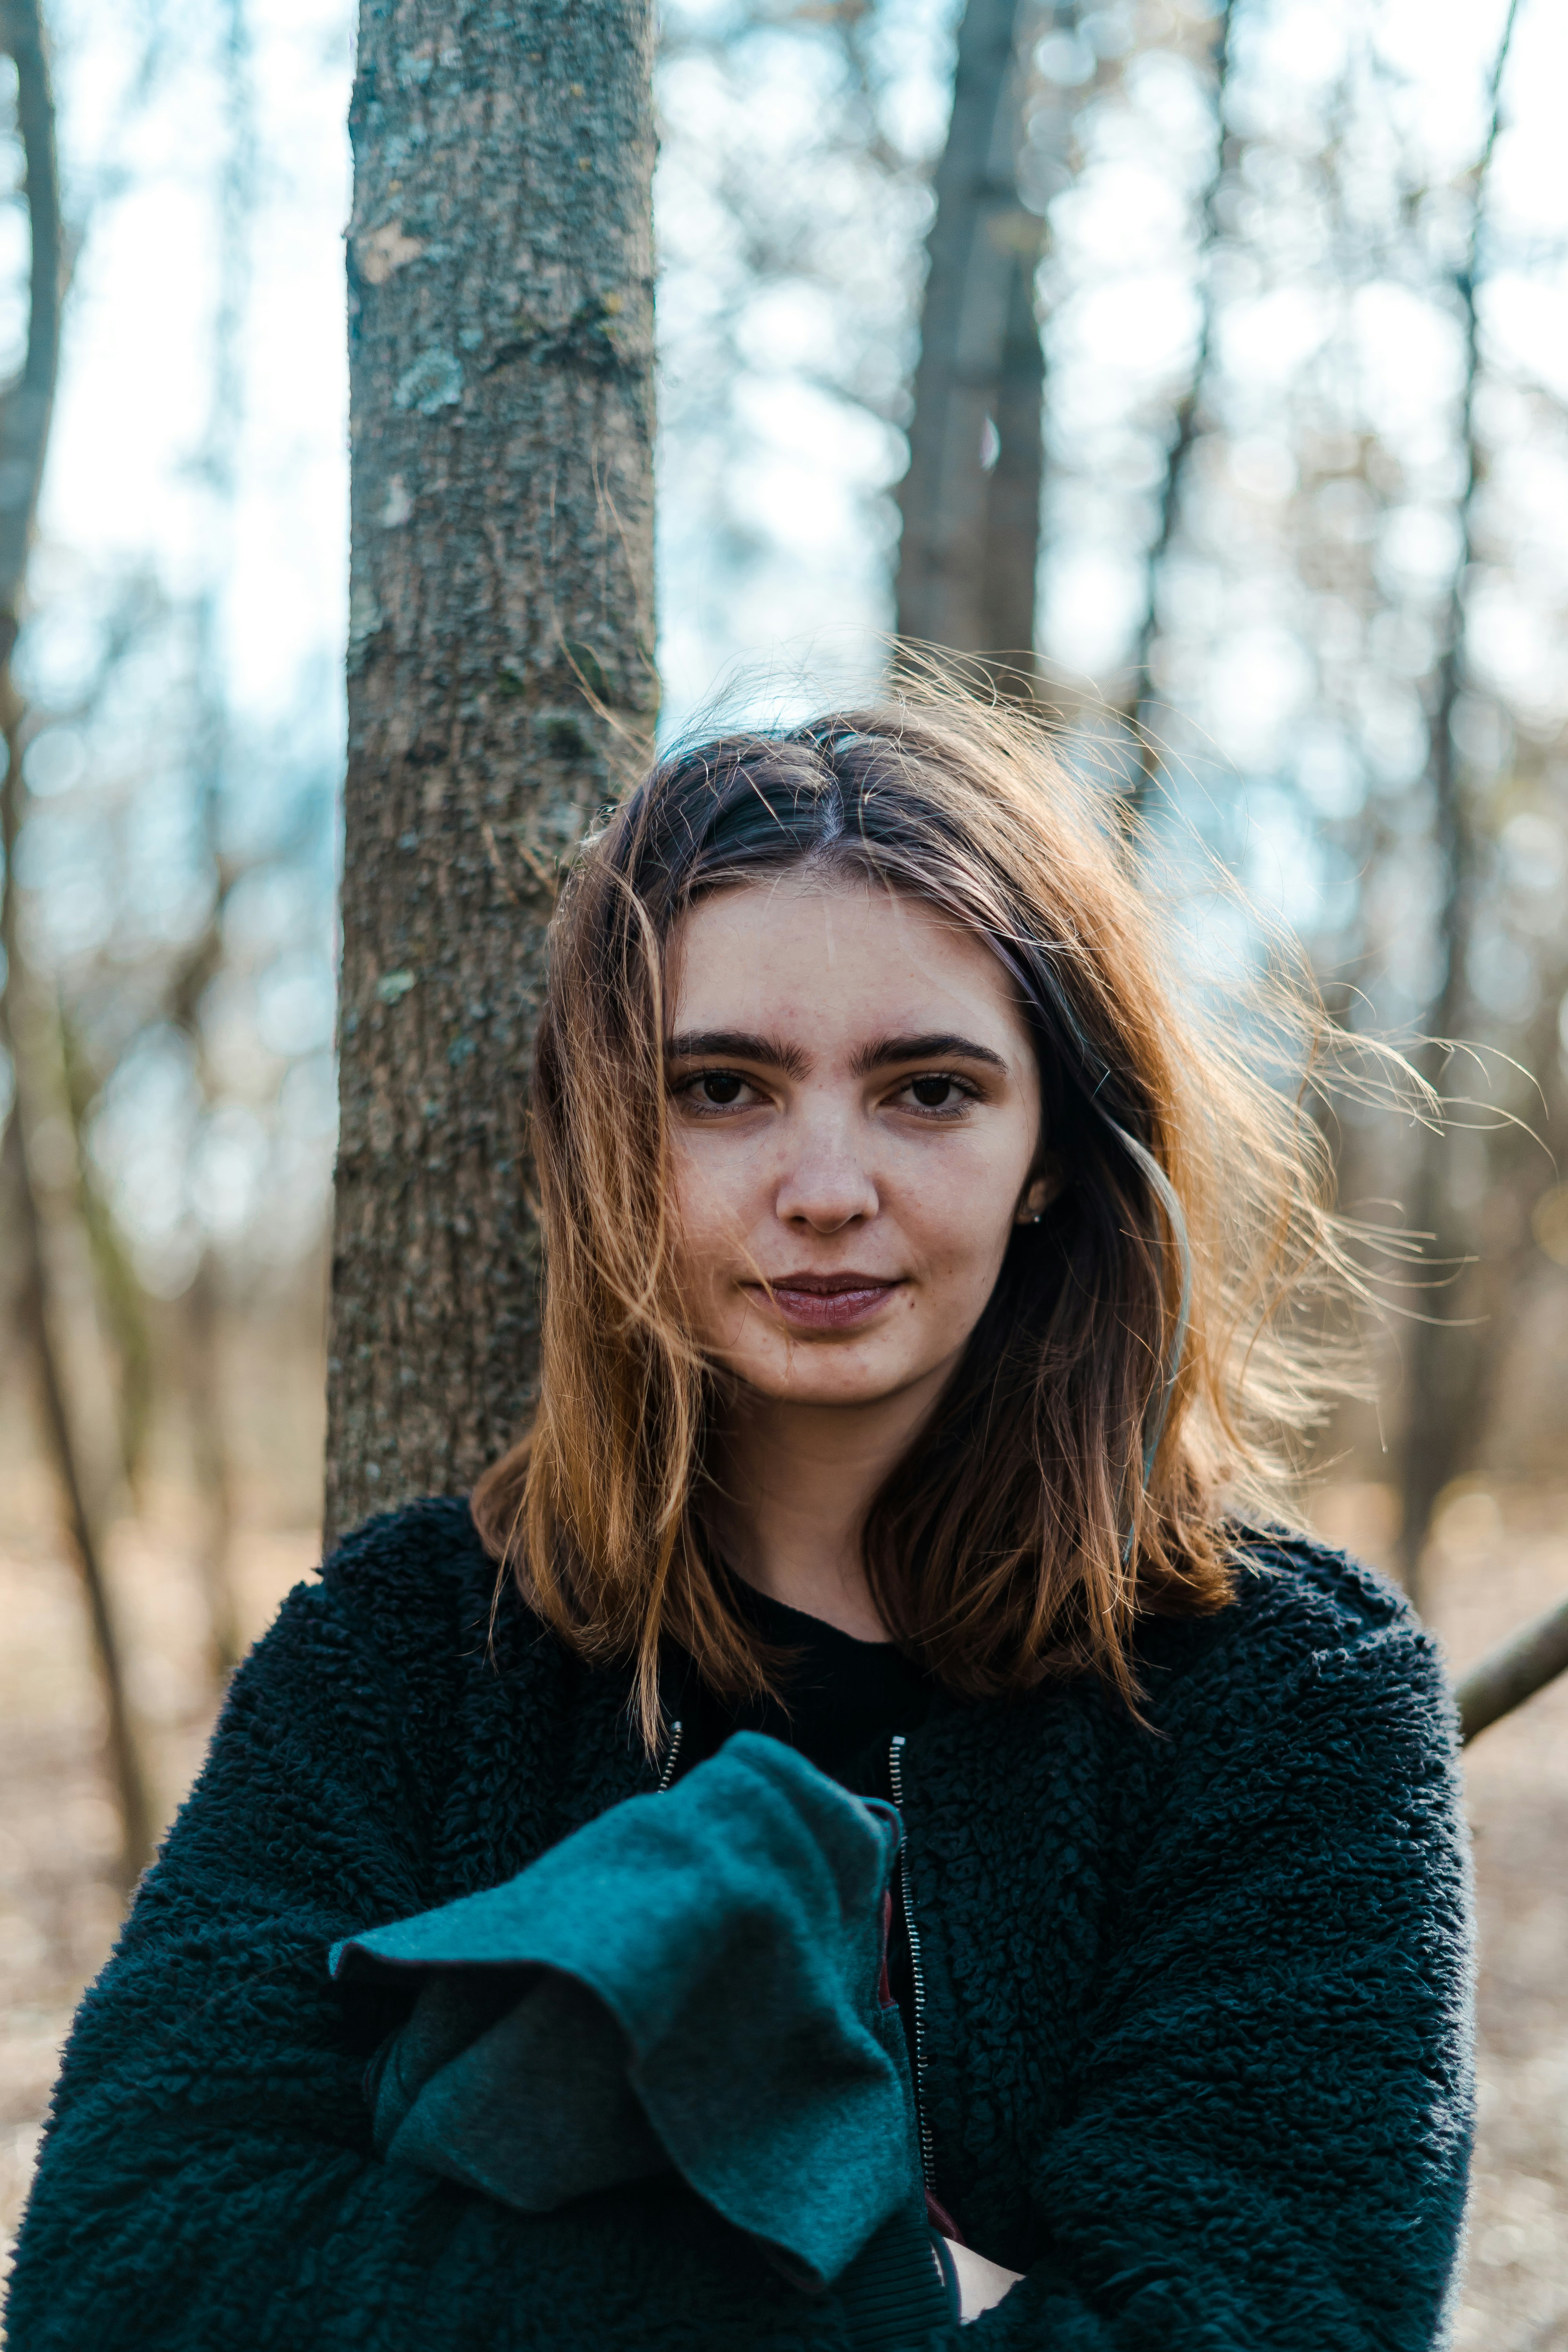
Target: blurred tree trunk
(39, 1320)
(971, 498)
(25, 408)
(1446, 1358)
(122, 1299)
(207, 1417)
(1139, 704)
(199, 1357)
(501, 665)
(200, 1354)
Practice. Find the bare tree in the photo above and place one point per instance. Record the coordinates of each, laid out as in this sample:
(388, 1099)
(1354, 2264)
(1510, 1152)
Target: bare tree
(1444, 1369)
(971, 498)
(25, 408)
(500, 658)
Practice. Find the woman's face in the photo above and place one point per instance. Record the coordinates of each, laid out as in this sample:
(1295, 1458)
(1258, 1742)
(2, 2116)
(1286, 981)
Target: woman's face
(855, 1124)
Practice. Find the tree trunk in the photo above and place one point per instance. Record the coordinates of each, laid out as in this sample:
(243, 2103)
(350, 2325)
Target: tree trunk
(1444, 1376)
(971, 498)
(500, 669)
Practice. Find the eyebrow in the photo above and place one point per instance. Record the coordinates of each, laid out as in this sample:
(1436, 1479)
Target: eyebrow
(735, 1045)
(743, 1046)
(933, 1045)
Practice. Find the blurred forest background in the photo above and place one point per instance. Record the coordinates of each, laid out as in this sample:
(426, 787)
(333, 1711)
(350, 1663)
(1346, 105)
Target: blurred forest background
(1290, 280)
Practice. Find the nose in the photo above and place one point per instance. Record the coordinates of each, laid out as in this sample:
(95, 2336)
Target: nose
(826, 1183)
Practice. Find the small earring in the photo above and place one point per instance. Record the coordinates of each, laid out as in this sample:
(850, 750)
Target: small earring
(1039, 1218)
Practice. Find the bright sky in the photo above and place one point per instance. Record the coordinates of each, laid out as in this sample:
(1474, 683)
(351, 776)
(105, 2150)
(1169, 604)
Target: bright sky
(137, 373)
(141, 182)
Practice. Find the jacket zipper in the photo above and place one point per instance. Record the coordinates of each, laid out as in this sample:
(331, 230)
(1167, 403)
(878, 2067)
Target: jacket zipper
(666, 1770)
(917, 1973)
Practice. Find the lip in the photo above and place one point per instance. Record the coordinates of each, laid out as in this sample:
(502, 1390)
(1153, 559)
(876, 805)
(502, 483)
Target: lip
(826, 1302)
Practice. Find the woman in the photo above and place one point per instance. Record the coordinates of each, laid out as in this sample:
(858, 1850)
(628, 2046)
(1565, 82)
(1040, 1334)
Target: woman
(919, 1379)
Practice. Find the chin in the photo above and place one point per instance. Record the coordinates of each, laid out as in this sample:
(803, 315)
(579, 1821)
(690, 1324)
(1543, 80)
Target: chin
(812, 1376)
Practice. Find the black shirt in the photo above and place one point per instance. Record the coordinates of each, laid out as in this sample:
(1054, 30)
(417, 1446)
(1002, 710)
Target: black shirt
(841, 1703)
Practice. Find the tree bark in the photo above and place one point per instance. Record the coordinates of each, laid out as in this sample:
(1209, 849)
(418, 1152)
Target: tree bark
(500, 672)
(971, 498)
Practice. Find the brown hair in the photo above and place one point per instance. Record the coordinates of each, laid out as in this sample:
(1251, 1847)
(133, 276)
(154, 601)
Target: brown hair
(1136, 1377)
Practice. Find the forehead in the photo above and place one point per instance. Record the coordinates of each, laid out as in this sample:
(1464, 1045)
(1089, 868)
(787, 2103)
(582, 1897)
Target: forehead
(836, 958)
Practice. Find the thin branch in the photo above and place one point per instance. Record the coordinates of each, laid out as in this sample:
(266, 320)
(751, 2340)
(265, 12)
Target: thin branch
(122, 1296)
(1513, 1671)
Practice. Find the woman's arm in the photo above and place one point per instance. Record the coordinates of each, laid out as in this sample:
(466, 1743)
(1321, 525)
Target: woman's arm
(207, 2180)
(1269, 2143)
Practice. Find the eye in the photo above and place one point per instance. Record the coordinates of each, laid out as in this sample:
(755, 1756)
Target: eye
(939, 1091)
(708, 1090)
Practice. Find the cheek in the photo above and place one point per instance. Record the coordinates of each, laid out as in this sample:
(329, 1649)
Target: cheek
(962, 1214)
(710, 1197)
(690, 1199)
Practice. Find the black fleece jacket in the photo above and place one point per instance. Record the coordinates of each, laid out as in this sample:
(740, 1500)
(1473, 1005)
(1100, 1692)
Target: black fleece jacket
(1195, 2037)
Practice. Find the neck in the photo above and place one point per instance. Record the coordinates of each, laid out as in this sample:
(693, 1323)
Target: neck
(794, 1484)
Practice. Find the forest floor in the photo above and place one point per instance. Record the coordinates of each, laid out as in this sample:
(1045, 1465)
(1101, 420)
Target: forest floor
(1499, 1558)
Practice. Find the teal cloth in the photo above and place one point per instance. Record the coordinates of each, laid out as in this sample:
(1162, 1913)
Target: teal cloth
(688, 1982)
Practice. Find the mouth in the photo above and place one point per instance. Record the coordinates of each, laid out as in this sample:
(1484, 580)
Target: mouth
(826, 1302)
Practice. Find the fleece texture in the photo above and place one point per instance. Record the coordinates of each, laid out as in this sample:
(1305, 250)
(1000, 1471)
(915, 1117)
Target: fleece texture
(1196, 2047)
(688, 1982)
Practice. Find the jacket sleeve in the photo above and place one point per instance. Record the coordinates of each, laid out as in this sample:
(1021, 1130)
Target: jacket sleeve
(209, 2181)
(1267, 2144)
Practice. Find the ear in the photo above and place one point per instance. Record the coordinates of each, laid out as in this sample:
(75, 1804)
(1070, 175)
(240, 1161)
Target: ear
(1044, 1186)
